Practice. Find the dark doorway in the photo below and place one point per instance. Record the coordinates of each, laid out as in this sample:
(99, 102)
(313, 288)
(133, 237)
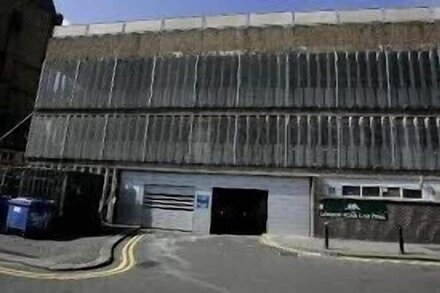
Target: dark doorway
(239, 211)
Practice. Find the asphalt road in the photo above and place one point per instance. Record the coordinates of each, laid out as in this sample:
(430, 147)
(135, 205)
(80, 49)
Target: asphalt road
(184, 263)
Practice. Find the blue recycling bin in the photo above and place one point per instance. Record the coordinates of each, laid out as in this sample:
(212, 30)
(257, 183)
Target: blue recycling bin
(4, 206)
(29, 216)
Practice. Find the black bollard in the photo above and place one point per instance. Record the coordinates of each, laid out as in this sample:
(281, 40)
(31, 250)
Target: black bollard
(401, 242)
(326, 235)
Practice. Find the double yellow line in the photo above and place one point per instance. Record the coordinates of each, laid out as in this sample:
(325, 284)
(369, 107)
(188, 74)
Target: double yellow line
(128, 262)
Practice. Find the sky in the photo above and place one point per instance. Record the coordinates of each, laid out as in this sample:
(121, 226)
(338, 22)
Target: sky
(94, 11)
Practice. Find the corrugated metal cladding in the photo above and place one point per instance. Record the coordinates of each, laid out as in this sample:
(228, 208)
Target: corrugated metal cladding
(313, 141)
(370, 80)
(144, 110)
(167, 200)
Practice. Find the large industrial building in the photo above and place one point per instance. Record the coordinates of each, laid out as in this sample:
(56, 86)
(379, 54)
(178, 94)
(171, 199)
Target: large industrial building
(25, 29)
(253, 123)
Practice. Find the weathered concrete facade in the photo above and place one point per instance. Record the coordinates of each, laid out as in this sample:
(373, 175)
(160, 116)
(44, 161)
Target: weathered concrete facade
(296, 95)
(274, 39)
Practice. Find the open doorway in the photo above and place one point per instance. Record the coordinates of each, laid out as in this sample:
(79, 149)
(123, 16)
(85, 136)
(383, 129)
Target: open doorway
(239, 211)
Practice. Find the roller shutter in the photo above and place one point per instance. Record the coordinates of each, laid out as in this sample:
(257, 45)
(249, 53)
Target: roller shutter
(168, 207)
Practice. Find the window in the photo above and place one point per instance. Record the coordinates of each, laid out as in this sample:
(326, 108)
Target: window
(391, 192)
(370, 191)
(331, 191)
(351, 190)
(412, 193)
(377, 192)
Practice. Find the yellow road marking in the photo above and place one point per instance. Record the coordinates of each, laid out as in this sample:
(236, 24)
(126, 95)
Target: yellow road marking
(128, 262)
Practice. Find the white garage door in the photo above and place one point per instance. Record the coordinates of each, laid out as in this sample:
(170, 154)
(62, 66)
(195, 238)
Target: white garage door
(289, 208)
(168, 207)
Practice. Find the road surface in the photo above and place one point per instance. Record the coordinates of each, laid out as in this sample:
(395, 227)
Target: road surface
(177, 262)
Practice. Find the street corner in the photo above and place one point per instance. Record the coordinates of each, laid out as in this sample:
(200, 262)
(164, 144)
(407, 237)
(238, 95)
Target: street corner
(62, 254)
(124, 260)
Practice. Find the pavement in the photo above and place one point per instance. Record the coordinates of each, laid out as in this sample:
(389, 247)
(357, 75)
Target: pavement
(63, 254)
(178, 262)
(353, 248)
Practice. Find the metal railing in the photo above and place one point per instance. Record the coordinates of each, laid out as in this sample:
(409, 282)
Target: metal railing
(11, 157)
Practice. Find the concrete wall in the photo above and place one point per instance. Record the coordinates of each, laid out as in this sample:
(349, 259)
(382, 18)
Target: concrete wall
(288, 200)
(319, 38)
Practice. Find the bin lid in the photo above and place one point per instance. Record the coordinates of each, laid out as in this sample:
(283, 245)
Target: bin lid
(22, 201)
(28, 201)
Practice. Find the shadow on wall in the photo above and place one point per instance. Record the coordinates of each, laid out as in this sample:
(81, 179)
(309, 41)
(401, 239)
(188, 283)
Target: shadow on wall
(129, 210)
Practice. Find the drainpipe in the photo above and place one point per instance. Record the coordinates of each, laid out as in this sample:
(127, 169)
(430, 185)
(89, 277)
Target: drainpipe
(421, 183)
(112, 198)
(312, 206)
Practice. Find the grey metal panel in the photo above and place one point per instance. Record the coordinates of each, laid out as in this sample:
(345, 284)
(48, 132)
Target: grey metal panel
(217, 81)
(92, 137)
(57, 84)
(393, 76)
(406, 79)
(111, 137)
(184, 85)
(55, 131)
(123, 138)
(174, 82)
(74, 139)
(160, 138)
(181, 151)
(199, 145)
(132, 83)
(38, 136)
(33, 137)
(132, 149)
(93, 84)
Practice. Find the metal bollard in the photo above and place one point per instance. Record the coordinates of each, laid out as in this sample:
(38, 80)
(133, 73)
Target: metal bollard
(401, 242)
(326, 234)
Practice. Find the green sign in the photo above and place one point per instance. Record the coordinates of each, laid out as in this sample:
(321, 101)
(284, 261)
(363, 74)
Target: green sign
(353, 209)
